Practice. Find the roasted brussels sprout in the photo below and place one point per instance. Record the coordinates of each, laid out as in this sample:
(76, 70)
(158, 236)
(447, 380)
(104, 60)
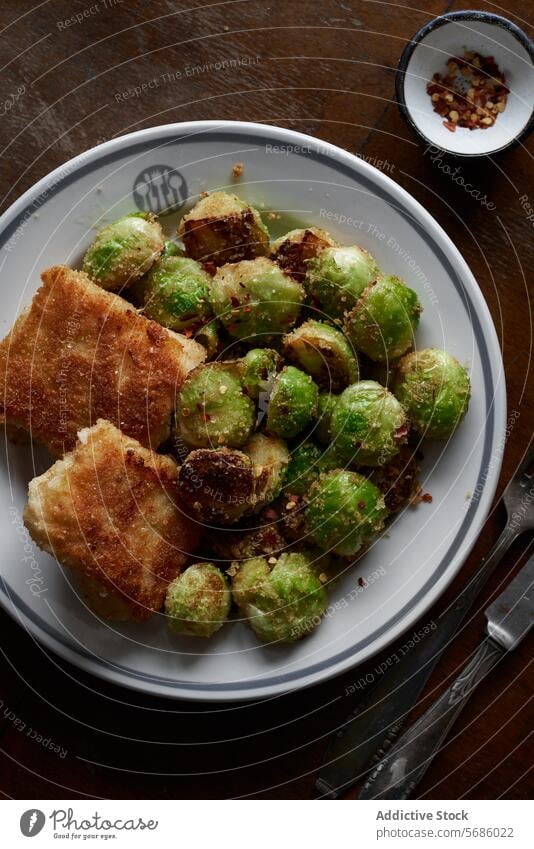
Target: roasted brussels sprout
(344, 510)
(284, 603)
(176, 293)
(222, 228)
(323, 352)
(208, 337)
(198, 601)
(292, 251)
(124, 250)
(336, 277)
(256, 300)
(217, 485)
(368, 424)
(270, 458)
(397, 480)
(213, 409)
(383, 322)
(292, 403)
(304, 468)
(325, 408)
(242, 543)
(258, 368)
(434, 389)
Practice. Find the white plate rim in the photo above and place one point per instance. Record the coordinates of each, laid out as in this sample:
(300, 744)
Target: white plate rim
(495, 399)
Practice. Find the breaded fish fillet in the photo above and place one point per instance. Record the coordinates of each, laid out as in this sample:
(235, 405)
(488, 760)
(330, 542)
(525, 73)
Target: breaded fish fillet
(109, 511)
(79, 353)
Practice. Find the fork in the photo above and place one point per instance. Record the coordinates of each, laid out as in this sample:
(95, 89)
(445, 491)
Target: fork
(375, 724)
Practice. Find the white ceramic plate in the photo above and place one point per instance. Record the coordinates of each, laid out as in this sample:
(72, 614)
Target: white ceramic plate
(423, 549)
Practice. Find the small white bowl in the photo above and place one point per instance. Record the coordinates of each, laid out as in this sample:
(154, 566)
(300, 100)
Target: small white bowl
(451, 35)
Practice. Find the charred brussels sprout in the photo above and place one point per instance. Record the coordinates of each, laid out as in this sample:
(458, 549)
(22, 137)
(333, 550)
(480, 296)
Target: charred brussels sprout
(213, 409)
(282, 604)
(222, 228)
(337, 276)
(434, 389)
(383, 322)
(255, 300)
(258, 368)
(176, 293)
(324, 353)
(292, 251)
(198, 601)
(368, 424)
(292, 404)
(124, 250)
(344, 510)
(325, 408)
(217, 485)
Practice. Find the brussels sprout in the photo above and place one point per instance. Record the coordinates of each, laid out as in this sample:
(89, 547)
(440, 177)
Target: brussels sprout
(270, 457)
(255, 300)
(258, 368)
(124, 250)
(222, 228)
(336, 277)
(434, 389)
(176, 293)
(292, 251)
(171, 249)
(383, 322)
(283, 604)
(198, 601)
(324, 353)
(208, 337)
(325, 408)
(344, 510)
(304, 468)
(397, 480)
(292, 404)
(368, 424)
(213, 409)
(217, 485)
(242, 543)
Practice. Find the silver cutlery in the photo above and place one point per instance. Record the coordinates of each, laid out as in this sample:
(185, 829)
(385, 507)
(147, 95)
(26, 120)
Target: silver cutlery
(508, 621)
(379, 717)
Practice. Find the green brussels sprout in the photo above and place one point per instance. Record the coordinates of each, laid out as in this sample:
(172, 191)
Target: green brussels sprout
(259, 367)
(270, 458)
(323, 352)
(383, 322)
(255, 300)
(344, 510)
(177, 293)
(208, 337)
(213, 409)
(304, 468)
(434, 389)
(292, 403)
(368, 424)
(285, 603)
(217, 485)
(171, 249)
(124, 250)
(336, 277)
(222, 228)
(198, 601)
(325, 408)
(292, 251)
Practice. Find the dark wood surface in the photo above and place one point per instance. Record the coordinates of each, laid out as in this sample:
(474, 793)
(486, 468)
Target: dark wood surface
(325, 68)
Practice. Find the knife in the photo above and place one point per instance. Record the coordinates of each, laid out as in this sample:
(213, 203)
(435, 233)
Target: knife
(508, 620)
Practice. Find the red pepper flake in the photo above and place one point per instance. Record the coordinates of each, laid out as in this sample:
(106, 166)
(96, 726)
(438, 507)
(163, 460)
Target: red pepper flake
(247, 309)
(427, 498)
(234, 301)
(362, 505)
(206, 417)
(188, 333)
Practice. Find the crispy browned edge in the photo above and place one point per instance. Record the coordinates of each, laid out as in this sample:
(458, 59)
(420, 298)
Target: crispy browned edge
(110, 511)
(79, 353)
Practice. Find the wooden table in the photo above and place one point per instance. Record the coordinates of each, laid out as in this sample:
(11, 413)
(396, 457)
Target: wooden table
(325, 68)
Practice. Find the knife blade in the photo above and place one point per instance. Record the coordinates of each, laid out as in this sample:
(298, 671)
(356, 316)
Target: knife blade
(508, 620)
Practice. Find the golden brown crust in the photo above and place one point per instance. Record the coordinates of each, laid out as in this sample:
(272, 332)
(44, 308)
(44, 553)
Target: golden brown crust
(109, 510)
(79, 353)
